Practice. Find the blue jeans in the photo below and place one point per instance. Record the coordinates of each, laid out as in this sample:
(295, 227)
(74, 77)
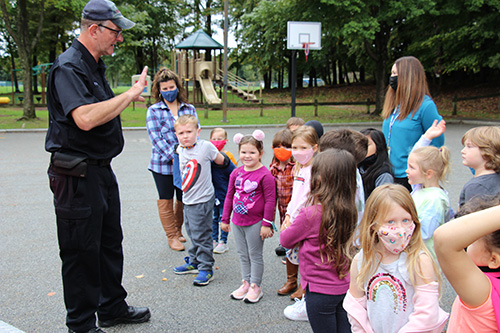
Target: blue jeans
(216, 221)
(326, 313)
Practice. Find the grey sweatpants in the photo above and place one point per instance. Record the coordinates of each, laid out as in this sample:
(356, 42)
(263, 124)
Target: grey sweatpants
(198, 223)
(249, 245)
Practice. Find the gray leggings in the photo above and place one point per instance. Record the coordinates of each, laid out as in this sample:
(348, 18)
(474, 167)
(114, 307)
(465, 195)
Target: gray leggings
(250, 245)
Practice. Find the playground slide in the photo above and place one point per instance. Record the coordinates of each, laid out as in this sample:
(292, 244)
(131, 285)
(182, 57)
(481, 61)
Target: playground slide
(209, 92)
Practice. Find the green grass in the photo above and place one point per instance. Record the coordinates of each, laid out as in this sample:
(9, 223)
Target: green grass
(137, 118)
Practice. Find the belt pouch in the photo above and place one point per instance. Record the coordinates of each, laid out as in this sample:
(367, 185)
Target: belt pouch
(69, 164)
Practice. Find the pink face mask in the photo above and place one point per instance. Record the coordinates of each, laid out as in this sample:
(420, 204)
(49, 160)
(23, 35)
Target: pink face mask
(395, 239)
(219, 144)
(303, 156)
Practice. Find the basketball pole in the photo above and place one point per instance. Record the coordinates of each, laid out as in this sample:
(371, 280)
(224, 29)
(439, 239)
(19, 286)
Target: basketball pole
(224, 84)
(294, 79)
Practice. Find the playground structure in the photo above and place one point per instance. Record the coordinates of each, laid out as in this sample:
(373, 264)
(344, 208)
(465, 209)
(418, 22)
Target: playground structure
(204, 75)
(41, 70)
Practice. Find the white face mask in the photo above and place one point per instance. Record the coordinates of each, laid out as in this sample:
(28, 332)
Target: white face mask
(303, 156)
(395, 239)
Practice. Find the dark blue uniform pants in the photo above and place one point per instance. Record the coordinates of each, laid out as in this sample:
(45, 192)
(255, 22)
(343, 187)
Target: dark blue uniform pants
(90, 244)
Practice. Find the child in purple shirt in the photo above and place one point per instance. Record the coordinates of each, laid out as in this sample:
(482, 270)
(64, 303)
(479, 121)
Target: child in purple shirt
(323, 228)
(251, 197)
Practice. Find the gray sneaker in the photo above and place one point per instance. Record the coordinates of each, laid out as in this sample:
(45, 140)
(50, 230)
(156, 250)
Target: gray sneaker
(221, 248)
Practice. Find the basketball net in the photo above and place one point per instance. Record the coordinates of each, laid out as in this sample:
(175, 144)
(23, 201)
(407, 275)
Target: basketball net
(305, 46)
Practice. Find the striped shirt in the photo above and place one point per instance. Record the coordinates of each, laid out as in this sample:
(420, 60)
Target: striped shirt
(160, 124)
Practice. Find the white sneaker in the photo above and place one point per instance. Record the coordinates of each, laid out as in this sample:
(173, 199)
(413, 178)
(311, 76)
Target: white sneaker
(297, 311)
(221, 248)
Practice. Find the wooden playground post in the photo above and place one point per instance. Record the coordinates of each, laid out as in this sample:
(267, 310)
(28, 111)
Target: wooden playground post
(186, 78)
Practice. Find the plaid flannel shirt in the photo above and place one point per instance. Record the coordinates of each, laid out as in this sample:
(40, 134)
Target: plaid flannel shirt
(284, 185)
(160, 125)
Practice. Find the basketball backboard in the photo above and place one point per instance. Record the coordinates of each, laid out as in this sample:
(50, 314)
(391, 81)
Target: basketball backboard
(299, 33)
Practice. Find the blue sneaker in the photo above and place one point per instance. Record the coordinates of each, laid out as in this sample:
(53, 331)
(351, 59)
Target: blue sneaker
(187, 268)
(203, 278)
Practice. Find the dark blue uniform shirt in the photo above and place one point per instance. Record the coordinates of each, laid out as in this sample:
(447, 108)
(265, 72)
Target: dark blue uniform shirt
(76, 79)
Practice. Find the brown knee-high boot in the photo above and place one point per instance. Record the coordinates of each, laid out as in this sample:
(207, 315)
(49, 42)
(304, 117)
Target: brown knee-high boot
(291, 281)
(179, 219)
(166, 211)
(299, 293)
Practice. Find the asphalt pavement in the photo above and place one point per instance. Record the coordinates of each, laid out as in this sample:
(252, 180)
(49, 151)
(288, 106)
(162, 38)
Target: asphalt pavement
(31, 297)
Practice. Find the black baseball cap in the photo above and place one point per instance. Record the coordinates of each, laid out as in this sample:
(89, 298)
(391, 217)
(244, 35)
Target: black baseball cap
(103, 10)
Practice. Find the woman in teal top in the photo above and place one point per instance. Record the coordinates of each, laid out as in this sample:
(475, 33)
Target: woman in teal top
(408, 112)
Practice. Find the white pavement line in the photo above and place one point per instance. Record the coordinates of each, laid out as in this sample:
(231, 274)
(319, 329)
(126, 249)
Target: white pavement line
(6, 328)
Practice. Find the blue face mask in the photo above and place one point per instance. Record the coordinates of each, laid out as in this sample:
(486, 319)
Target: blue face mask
(170, 95)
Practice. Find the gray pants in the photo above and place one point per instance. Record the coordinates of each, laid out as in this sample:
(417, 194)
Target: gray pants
(198, 223)
(249, 245)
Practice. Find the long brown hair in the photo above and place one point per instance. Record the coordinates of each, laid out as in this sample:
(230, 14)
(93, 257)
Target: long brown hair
(412, 88)
(163, 75)
(333, 185)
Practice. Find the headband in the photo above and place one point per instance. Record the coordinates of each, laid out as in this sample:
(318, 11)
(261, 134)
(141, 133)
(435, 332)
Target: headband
(257, 135)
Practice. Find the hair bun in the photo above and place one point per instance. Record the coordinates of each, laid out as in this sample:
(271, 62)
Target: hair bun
(258, 135)
(237, 138)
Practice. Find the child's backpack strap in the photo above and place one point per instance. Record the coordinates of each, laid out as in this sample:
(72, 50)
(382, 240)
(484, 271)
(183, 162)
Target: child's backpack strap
(495, 294)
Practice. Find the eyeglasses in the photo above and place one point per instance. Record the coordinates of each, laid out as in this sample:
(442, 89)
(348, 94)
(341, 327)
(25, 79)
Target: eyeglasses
(117, 32)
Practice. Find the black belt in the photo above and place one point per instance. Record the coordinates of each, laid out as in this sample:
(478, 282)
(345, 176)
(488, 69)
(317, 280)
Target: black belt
(101, 163)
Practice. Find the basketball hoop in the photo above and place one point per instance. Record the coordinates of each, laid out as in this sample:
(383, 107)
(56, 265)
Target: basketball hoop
(305, 46)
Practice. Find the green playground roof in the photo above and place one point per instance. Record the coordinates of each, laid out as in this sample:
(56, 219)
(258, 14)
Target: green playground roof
(199, 40)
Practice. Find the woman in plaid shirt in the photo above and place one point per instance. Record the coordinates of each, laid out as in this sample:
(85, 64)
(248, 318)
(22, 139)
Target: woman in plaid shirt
(170, 103)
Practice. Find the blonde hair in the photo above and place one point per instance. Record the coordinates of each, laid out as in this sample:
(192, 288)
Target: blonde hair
(294, 121)
(186, 119)
(487, 139)
(309, 135)
(218, 129)
(377, 207)
(412, 88)
(435, 159)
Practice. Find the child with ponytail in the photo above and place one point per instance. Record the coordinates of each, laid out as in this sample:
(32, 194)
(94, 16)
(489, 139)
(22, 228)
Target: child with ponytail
(427, 170)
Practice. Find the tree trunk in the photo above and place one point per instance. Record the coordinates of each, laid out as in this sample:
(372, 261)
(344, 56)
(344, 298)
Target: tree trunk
(379, 54)
(346, 74)
(14, 74)
(341, 74)
(28, 104)
(25, 46)
(35, 77)
(266, 81)
(208, 22)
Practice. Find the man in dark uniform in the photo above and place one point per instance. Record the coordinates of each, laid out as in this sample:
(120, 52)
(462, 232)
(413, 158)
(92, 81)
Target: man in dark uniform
(84, 135)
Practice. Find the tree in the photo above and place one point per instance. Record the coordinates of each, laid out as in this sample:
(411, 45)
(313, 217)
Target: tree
(374, 25)
(460, 38)
(20, 32)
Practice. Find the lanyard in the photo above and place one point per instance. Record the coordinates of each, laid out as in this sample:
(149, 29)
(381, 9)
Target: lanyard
(394, 116)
